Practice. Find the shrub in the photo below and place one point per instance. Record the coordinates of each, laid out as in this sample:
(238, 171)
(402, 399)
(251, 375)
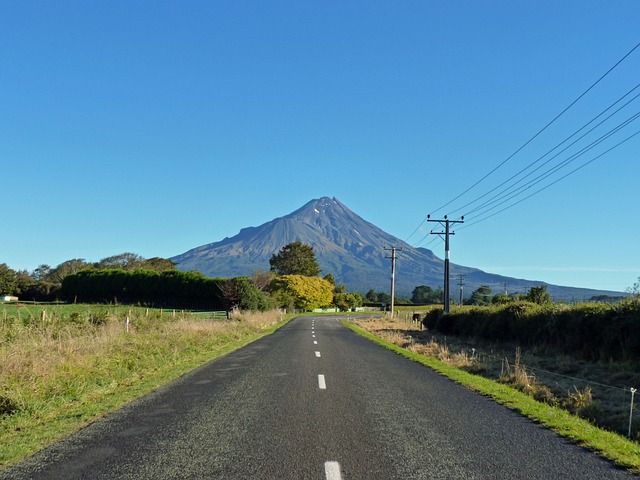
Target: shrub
(592, 331)
(431, 318)
(578, 401)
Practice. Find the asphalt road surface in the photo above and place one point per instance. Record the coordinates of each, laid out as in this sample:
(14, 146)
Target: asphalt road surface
(314, 401)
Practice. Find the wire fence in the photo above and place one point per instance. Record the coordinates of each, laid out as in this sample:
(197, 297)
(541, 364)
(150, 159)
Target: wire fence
(613, 406)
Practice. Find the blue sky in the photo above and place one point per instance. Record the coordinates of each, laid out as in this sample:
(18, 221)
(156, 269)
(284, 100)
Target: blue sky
(156, 127)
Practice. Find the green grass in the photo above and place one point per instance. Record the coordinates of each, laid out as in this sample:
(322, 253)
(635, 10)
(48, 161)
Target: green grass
(62, 371)
(414, 308)
(610, 445)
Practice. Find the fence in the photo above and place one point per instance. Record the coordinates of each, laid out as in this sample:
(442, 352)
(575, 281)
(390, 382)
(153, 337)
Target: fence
(613, 406)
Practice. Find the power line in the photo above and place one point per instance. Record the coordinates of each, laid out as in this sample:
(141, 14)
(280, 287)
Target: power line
(506, 195)
(434, 239)
(554, 148)
(554, 182)
(414, 232)
(540, 131)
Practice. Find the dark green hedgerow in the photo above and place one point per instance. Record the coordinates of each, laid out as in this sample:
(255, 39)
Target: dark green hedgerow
(592, 331)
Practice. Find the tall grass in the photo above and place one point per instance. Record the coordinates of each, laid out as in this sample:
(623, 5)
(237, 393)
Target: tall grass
(75, 363)
(577, 401)
(615, 447)
(397, 334)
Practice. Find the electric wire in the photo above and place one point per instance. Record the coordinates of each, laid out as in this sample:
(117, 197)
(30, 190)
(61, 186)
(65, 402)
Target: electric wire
(554, 148)
(550, 171)
(509, 191)
(552, 183)
(541, 130)
(414, 232)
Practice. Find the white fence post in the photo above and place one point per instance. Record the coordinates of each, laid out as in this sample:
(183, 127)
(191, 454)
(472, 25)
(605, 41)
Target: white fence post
(633, 392)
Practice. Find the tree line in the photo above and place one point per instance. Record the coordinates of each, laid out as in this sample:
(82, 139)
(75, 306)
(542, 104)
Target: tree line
(44, 283)
(292, 282)
(170, 288)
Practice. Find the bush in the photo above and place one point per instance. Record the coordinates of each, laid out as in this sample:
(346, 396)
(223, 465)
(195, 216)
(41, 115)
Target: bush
(431, 318)
(171, 289)
(593, 331)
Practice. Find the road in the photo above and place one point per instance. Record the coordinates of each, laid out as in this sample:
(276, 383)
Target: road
(314, 401)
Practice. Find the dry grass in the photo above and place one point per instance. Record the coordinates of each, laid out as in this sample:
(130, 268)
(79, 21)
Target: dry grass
(519, 377)
(400, 334)
(612, 446)
(256, 319)
(50, 363)
(579, 401)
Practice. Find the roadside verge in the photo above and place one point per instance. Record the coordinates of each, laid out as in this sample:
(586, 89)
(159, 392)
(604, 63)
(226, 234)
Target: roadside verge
(607, 444)
(27, 431)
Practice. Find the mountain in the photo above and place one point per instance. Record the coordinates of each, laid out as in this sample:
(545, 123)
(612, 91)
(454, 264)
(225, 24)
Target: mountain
(354, 251)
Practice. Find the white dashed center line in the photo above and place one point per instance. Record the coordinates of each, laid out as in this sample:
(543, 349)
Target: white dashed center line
(321, 383)
(318, 354)
(315, 342)
(332, 471)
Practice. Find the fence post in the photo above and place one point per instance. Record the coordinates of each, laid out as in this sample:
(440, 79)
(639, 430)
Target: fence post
(633, 392)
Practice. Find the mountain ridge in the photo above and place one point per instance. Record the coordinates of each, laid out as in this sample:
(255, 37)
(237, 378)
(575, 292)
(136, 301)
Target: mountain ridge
(353, 251)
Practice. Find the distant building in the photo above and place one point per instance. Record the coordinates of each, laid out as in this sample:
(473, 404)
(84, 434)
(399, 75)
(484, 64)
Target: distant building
(9, 298)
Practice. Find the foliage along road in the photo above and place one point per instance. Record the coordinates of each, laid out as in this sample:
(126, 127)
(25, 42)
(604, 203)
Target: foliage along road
(314, 401)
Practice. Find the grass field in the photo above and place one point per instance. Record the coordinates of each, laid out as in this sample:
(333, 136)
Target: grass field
(63, 366)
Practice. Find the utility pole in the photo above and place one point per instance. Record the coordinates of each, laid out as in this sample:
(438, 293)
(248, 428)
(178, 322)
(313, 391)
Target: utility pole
(462, 284)
(393, 273)
(445, 222)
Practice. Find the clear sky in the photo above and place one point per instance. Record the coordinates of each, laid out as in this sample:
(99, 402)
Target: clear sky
(154, 127)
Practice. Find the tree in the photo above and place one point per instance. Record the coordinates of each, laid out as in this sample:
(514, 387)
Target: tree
(42, 273)
(242, 293)
(424, 294)
(43, 288)
(342, 288)
(157, 264)
(371, 296)
(421, 294)
(501, 299)
(481, 296)
(295, 258)
(126, 261)
(24, 282)
(7, 280)
(635, 289)
(70, 267)
(262, 279)
(384, 298)
(329, 278)
(302, 291)
(343, 299)
(347, 301)
(538, 295)
(377, 297)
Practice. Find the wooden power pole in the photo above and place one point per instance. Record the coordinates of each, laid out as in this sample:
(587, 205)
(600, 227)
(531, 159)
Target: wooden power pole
(393, 273)
(447, 231)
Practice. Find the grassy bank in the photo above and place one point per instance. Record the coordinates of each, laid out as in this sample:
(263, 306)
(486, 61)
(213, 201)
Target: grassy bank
(610, 445)
(64, 366)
